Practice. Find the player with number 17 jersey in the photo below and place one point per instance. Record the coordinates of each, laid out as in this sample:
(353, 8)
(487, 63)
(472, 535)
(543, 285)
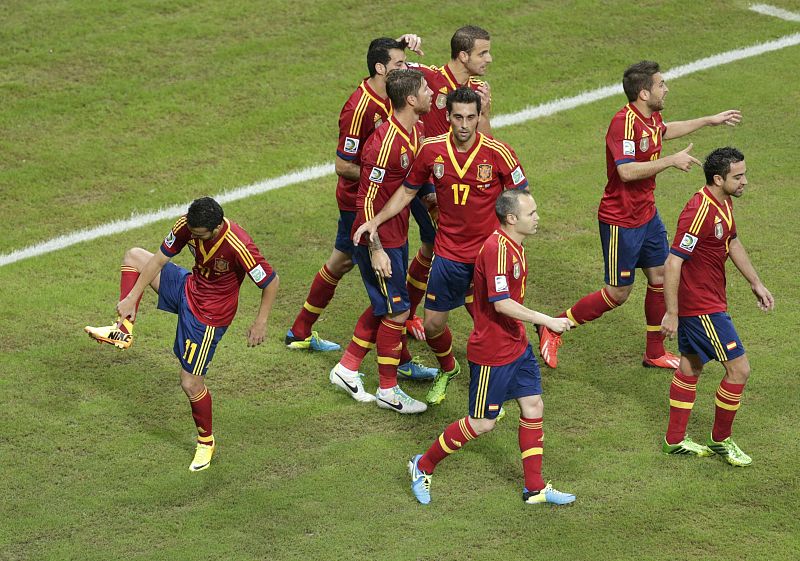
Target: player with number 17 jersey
(467, 186)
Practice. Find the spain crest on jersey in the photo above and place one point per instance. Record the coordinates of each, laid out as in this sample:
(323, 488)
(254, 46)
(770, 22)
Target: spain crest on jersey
(221, 266)
(644, 143)
(718, 230)
(484, 172)
(517, 270)
(377, 119)
(438, 170)
(441, 101)
(404, 160)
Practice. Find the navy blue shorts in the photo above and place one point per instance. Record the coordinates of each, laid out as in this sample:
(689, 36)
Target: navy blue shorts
(491, 386)
(449, 284)
(195, 342)
(711, 336)
(427, 231)
(387, 296)
(628, 249)
(344, 238)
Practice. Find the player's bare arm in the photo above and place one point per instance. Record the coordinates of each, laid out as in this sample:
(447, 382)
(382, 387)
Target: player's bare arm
(677, 129)
(126, 308)
(739, 256)
(513, 309)
(348, 170)
(398, 201)
(634, 171)
(672, 279)
(257, 332)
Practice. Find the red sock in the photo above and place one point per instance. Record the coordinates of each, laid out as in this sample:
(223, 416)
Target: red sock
(388, 346)
(451, 440)
(531, 442)
(405, 355)
(442, 347)
(728, 400)
(591, 307)
(417, 280)
(682, 393)
(654, 309)
(201, 411)
(128, 277)
(364, 336)
(319, 295)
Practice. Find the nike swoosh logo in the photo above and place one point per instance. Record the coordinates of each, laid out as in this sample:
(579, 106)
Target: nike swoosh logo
(396, 406)
(353, 389)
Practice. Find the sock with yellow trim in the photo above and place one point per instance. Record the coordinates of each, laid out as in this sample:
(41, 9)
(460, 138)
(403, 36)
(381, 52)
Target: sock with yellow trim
(442, 347)
(388, 347)
(319, 295)
(201, 412)
(591, 307)
(682, 394)
(128, 277)
(654, 309)
(451, 440)
(417, 280)
(364, 336)
(531, 442)
(727, 402)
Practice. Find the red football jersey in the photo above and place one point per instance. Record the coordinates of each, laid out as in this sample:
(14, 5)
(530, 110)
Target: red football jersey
(500, 272)
(441, 81)
(705, 228)
(467, 186)
(212, 290)
(363, 112)
(385, 161)
(630, 138)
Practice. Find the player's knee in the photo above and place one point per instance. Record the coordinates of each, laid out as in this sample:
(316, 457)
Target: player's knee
(426, 249)
(619, 293)
(135, 257)
(482, 426)
(340, 264)
(738, 371)
(192, 385)
(433, 325)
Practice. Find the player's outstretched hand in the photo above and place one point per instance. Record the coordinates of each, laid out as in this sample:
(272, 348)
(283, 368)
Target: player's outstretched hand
(765, 300)
(484, 91)
(683, 160)
(381, 263)
(126, 309)
(367, 227)
(413, 43)
(731, 117)
(669, 325)
(256, 334)
(558, 325)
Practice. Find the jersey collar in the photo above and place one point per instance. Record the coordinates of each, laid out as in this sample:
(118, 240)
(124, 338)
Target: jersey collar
(369, 92)
(412, 138)
(451, 151)
(727, 214)
(223, 233)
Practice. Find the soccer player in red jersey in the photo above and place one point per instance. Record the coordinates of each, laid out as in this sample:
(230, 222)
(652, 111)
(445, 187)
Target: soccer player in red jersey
(469, 58)
(365, 110)
(631, 231)
(204, 300)
(386, 159)
(502, 364)
(469, 170)
(696, 302)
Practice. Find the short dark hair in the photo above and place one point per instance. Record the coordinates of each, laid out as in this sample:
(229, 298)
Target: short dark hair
(464, 39)
(402, 83)
(204, 212)
(639, 77)
(378, 52)
(508, 203)
(719, 163)
(463, 94)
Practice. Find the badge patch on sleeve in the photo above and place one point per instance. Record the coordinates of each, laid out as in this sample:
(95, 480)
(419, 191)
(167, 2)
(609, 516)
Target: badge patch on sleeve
(500, 283)
(258, 273)
(351, 145)
(170, 239)
(517, 176)
(628, 148)
(376, 176)
(688, 242)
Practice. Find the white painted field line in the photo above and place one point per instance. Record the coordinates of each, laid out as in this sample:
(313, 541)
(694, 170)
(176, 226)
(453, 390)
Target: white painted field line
(322, 170)
(768, 10)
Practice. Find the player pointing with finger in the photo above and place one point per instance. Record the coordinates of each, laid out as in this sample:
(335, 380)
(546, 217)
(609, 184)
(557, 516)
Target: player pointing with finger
(631, 231)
